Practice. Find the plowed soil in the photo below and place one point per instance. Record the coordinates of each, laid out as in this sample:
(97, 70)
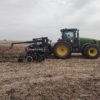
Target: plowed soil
(76, 78)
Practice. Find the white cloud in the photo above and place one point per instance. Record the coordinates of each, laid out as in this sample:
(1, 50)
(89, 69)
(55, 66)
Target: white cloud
(26, 19)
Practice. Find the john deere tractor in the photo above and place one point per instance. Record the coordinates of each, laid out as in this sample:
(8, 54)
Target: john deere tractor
(71, 43)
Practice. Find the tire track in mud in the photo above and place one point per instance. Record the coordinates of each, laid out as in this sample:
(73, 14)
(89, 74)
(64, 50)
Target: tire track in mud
(65, 89)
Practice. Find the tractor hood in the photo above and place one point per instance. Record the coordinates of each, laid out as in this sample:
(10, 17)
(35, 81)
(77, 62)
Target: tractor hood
(88, 40)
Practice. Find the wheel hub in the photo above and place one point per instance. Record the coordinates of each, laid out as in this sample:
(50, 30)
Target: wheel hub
(92, 51)
(62, 50)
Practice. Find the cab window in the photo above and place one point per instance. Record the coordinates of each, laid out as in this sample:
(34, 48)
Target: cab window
(69, 36)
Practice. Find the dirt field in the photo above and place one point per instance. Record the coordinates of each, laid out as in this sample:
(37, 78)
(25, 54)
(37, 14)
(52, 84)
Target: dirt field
(76, 78)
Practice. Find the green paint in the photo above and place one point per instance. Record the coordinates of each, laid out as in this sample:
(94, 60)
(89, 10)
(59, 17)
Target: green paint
(74, 34)
(88, 40)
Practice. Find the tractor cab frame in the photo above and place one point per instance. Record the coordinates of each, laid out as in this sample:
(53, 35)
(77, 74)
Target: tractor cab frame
(72, 37)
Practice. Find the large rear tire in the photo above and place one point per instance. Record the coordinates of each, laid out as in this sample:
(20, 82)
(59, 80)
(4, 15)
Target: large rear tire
(62, 50)
(91, 51)
(83, 49)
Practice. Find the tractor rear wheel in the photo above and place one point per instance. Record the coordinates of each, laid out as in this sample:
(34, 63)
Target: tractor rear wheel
(91, 51)
(83, 53)
(62, 50)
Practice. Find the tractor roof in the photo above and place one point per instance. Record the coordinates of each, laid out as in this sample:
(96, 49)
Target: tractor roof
(69, 29)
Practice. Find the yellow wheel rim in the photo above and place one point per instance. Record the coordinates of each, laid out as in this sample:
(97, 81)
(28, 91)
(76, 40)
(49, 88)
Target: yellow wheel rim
(62, 50)
(92, 51)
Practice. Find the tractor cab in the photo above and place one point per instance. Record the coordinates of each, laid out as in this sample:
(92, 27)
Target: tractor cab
(71, 36)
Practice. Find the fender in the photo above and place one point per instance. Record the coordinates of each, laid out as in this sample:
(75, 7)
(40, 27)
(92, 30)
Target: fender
(85, 46)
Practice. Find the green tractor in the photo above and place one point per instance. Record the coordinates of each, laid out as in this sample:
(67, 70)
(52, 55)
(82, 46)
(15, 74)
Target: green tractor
(71, 43)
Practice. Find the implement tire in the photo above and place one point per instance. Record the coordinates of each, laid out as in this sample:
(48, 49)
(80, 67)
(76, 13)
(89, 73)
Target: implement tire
(91, 51)
(62, 50)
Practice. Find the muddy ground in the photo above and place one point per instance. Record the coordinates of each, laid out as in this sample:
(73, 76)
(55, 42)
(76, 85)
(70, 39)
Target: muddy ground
(75, 78)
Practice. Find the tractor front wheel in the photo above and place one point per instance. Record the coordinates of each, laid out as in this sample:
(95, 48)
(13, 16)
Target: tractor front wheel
(62, 50)
(91, 51)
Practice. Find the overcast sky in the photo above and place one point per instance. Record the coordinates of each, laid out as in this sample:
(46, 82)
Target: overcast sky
(28, 19)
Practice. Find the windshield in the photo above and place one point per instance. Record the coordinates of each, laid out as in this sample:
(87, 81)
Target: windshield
(69, 36)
